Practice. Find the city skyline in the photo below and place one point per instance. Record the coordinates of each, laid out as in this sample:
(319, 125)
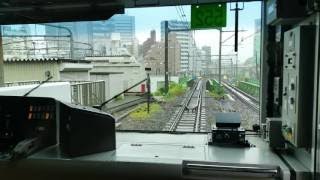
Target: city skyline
(247, 17)
(142, 25)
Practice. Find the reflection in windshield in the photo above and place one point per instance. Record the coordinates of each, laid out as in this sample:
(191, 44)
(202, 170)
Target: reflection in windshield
(120, 66)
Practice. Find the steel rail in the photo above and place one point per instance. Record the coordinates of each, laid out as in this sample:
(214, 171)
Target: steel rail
(252, 103)
(185, 103)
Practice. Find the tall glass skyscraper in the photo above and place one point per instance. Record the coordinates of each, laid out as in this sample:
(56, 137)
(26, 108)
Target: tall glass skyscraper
(13, 45)
(98, 33)
(125, 25)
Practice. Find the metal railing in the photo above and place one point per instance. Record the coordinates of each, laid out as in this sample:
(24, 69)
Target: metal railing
(21, 83)
(88, 93)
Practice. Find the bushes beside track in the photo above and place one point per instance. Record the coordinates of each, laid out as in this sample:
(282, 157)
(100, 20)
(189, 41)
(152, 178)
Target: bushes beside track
(142, 114)
(174, 91)
(215, 89)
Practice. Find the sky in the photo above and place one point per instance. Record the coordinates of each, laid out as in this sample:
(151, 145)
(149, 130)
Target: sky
(148, 19)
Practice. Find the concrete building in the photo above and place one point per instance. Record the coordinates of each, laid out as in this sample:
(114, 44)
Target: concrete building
(119, 71)
(185, 39)
(133, 48)
(154, 58)
(206, 50)
(198, 62)
(36, 69)
(146, 46)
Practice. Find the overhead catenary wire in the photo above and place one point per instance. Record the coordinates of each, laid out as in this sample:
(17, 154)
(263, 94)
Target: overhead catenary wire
(184, 22)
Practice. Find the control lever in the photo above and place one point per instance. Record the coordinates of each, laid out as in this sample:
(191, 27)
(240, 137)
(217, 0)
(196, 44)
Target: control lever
(25, 148)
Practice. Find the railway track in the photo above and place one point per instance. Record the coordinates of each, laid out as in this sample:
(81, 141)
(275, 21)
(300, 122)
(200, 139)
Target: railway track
(126, 105)
(121, 111)
(247, 99)
(191, 115)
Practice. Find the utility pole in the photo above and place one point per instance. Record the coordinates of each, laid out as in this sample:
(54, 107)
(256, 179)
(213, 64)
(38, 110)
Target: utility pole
(237, 66)
(220, 48)
(1, 61)
(166, 73)
(236, 31)
(236, 28)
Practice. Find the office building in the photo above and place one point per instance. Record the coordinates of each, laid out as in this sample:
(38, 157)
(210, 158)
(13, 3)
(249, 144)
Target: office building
(185, 38)
(93, 37)
(154, 58)
(13, 45)
(149, 42)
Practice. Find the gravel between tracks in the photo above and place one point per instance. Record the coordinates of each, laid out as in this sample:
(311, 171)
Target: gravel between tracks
(248, 116)
(156, 122)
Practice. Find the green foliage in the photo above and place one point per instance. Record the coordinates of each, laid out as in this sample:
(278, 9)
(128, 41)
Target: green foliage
(215, 90)
(160, 92)
(184, 80)
(190, 83)
(250, 88)
(217, 95)
(118, 98)
(142, 114)
(174, 91)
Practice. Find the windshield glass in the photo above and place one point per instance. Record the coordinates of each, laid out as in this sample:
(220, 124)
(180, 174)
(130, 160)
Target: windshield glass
(148, 81)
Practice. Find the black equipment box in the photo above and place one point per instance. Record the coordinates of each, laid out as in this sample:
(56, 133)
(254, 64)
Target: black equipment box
(228, 136)
(228, 130)
(23, 118)
(85, 130)
(285, 12)
(28, 124)
(313, 5)
(228, 120)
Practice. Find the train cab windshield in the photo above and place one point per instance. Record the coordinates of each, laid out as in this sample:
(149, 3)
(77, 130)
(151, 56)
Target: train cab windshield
(148, 67)
(158, 89)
